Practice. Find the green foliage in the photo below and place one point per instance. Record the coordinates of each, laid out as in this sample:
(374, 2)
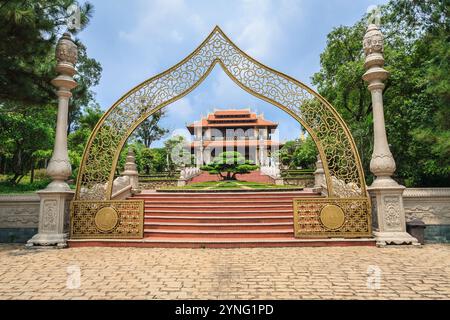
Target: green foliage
(28, 103)
(417, 94)
(76, 141)
(232, 185)
(29, 32)
(228, 164)
(154, 160)
(298, 153)
(305, 155)
(22, 135)
(8, 187)
(149, 130)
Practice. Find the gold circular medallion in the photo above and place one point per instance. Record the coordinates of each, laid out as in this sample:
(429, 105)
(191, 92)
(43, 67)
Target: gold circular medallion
(332, 216)
(106, 219)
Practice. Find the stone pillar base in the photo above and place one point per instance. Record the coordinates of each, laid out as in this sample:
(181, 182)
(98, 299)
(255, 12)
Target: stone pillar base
(46, 239)
(389, 213)
(53, 219)
(387, 238)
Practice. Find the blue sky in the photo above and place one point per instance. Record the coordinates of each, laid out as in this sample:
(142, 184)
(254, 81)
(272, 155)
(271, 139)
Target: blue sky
(136, 39)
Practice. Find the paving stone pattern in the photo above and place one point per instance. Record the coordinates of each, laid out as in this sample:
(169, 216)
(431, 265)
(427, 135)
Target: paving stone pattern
(250, 273)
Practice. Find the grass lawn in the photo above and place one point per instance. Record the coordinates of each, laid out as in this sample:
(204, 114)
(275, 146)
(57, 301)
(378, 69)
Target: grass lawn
(230, 185)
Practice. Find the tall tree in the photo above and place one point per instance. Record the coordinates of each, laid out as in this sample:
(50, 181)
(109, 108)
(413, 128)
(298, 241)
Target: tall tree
(29, 33)
(28, 101)
(21, 135)
(416, 96)
(77, 139)
(228, 164)
(150, 131)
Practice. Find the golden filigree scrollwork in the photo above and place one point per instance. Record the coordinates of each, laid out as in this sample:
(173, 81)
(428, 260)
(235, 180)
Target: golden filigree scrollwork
(344, 175)
(321, 217)
(107, 219)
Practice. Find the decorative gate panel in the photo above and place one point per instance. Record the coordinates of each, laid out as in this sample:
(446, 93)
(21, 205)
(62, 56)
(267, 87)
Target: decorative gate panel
(332, 217)
(107, 219)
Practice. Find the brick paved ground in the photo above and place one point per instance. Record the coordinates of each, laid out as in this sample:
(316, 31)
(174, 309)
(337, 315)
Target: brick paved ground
(262, 273)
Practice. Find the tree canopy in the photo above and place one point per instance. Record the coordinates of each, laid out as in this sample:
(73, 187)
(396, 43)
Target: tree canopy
(28, 103)
(149, 130)
(417, 93)
(298, 153)
(228, 164)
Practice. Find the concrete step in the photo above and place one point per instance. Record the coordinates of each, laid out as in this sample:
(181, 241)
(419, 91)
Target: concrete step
(229, 195)
(213, 207)
(169, 242)
(219, 203)
(217, 226)
(185, 233)
(254, 214)
(219, 219)
(221, 210)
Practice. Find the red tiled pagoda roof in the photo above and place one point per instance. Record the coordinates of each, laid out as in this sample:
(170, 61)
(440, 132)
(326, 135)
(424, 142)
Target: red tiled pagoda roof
(228, 143)
(232, 118)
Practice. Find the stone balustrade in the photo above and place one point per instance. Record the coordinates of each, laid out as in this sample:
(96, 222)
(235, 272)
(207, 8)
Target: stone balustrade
(273, 172)
(189, 172)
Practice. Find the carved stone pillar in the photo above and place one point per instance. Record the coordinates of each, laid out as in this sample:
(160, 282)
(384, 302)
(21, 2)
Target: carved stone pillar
(387, 199)
(55, 199)
(131, 169)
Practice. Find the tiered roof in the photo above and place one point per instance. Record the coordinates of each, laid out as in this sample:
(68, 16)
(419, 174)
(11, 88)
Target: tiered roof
(232, 119)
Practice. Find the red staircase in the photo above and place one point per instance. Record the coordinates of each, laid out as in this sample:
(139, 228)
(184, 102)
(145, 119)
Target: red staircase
(254, 176)
(227, 217)
(220, 220)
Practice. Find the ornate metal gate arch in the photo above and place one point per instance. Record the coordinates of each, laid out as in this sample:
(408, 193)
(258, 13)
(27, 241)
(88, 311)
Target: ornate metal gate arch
(347, 198)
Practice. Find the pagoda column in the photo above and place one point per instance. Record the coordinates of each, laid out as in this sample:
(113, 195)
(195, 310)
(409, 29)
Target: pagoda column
(319, 174)
(131, 169)
(387, 194)
(198, 145)
(55, 199)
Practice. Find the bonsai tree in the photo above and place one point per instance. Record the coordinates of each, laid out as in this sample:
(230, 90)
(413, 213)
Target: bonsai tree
(228, 164)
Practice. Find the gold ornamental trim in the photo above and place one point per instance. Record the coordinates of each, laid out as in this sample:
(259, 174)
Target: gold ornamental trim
(106, 219)
(341, 162)
(332, 217)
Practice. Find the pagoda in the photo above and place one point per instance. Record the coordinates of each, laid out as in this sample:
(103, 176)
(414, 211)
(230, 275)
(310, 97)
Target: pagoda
(233, 130)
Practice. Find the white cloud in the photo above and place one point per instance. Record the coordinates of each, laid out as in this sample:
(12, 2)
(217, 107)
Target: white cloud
(163, 19)
(261, 23)
(181, 109)
(256, 25)
(181, 132)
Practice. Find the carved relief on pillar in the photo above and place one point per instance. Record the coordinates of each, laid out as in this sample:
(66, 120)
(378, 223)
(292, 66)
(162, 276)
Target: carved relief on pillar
(392, 208)
(373, 41)
(66, 50)
(50, 216)
(382, 164)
